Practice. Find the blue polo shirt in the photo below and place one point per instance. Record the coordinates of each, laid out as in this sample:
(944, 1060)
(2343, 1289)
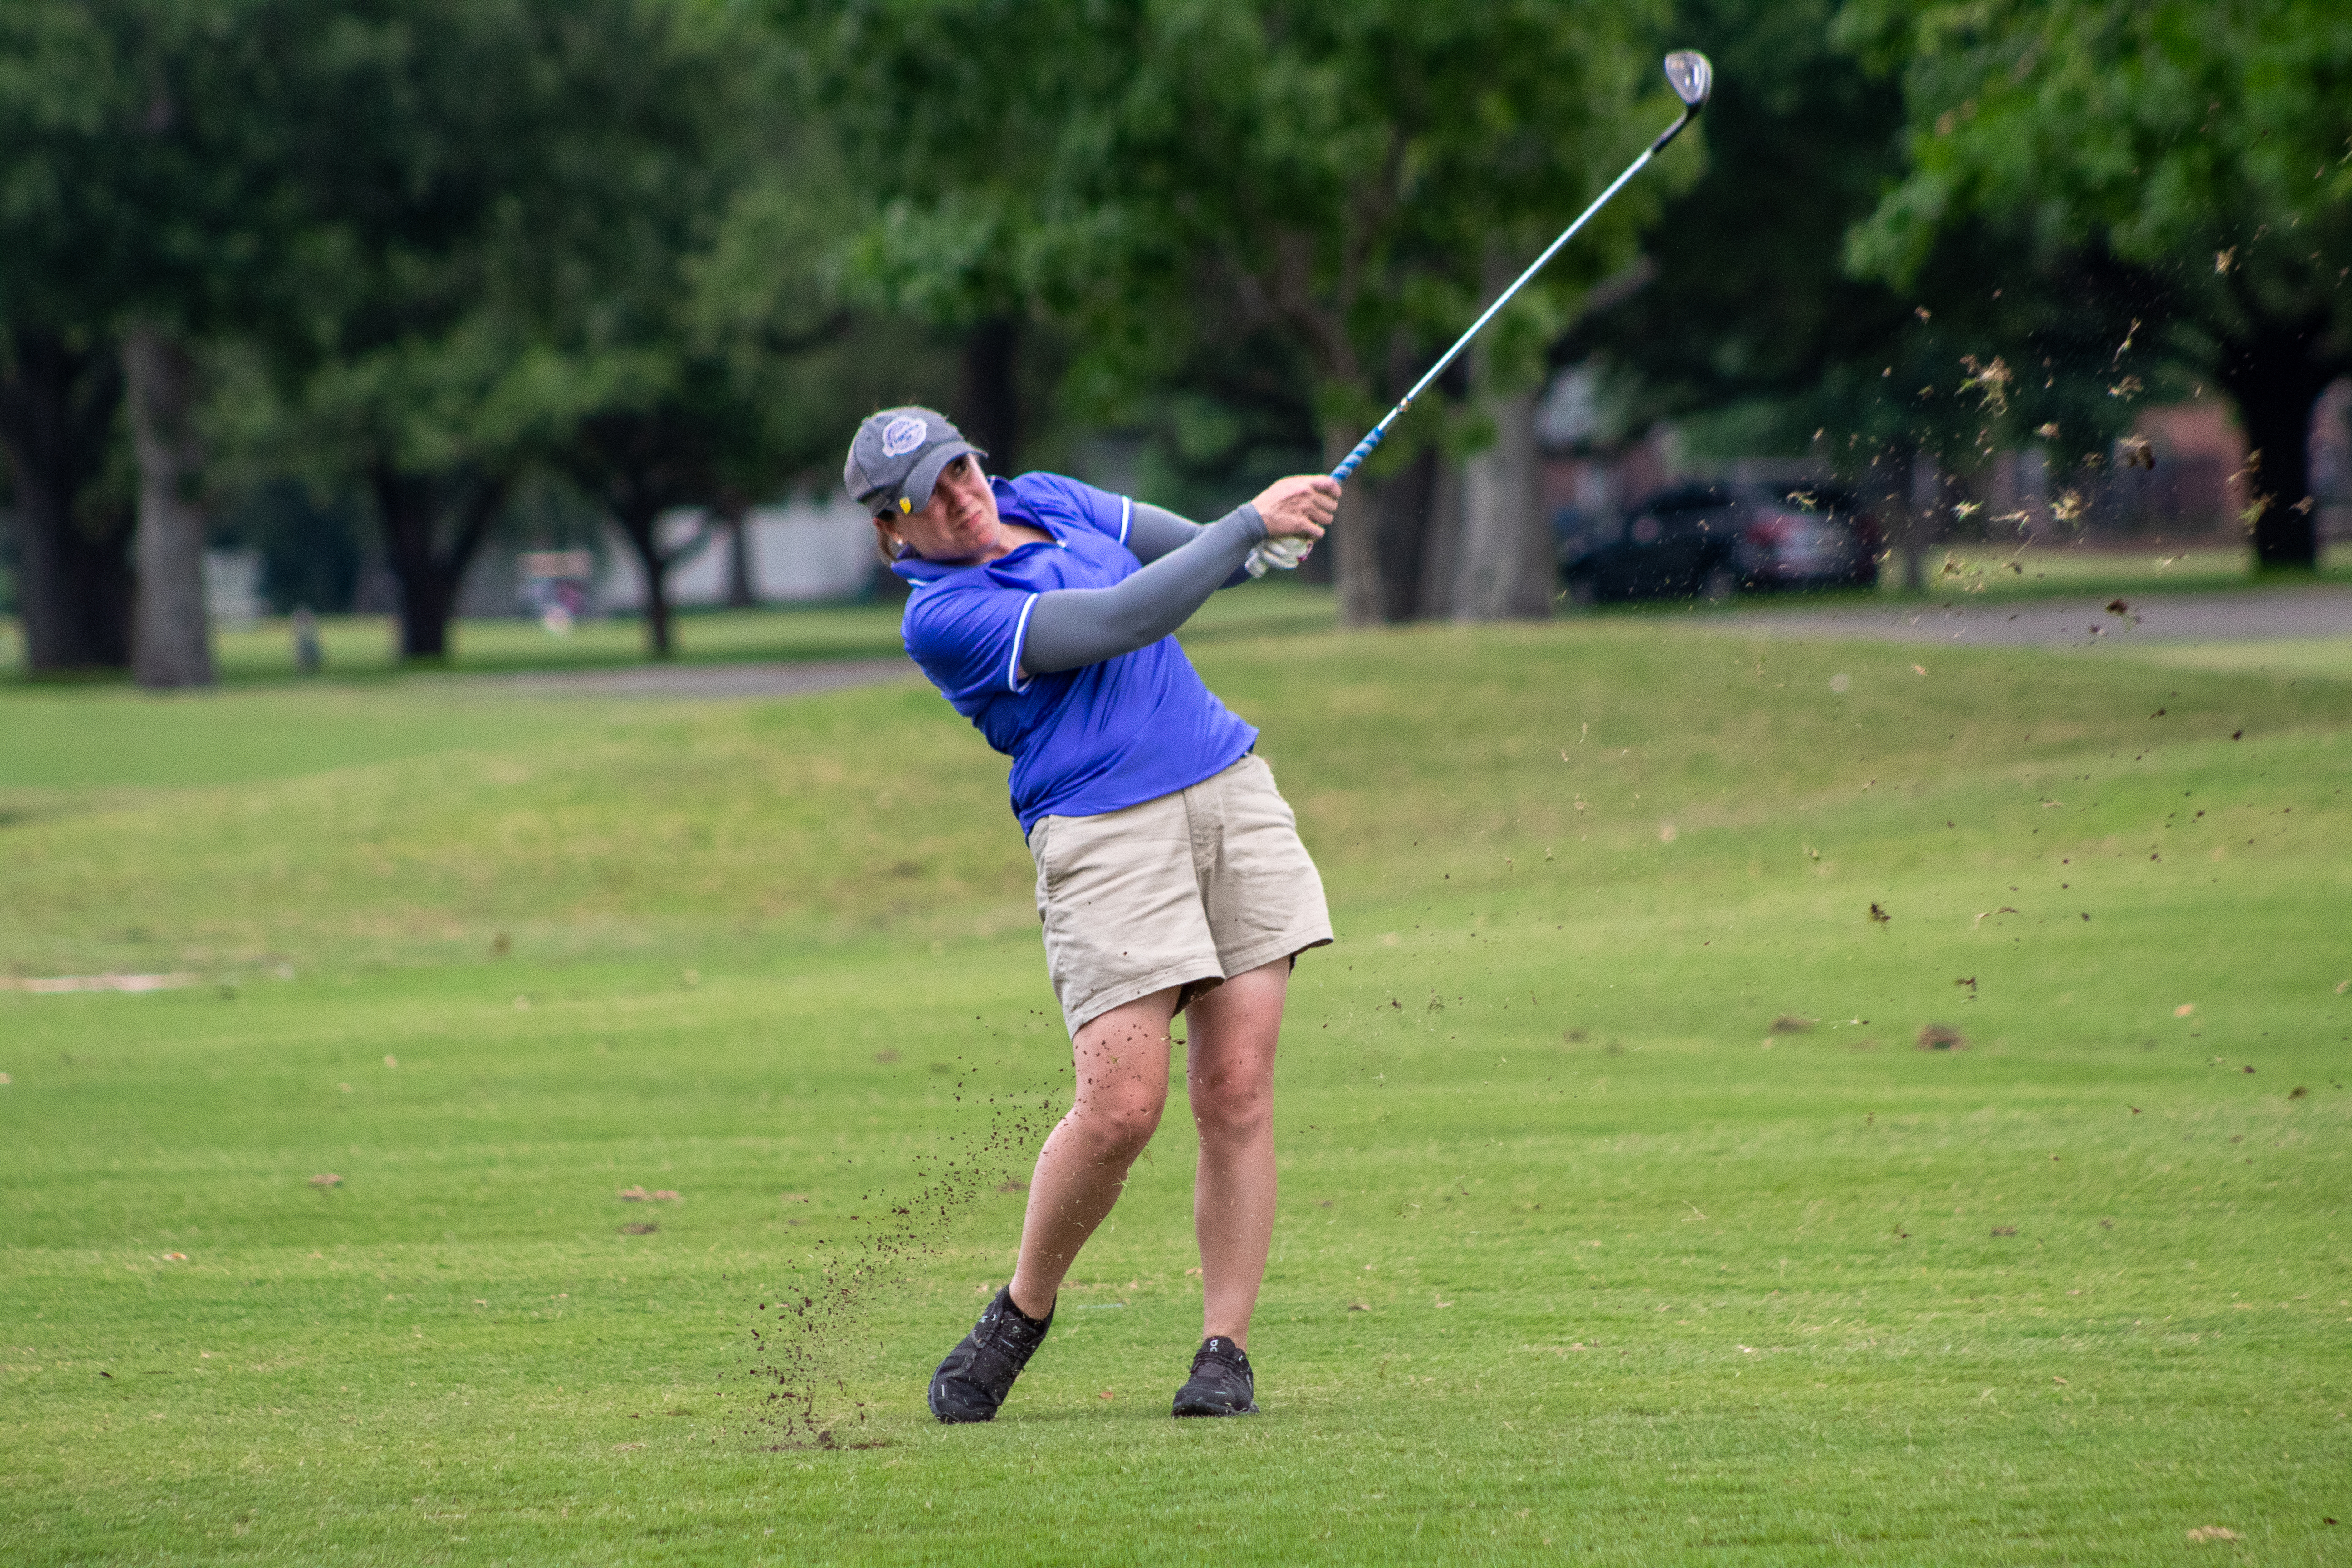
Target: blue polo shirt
(1098, 738)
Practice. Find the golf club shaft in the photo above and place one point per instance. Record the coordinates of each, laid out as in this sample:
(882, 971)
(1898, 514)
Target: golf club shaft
(1289, 551)
(1364, 448)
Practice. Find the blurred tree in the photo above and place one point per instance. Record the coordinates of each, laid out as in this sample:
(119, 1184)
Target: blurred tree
(489, 186)
(170, 640)
(737, 354)
(1359, 180)
(648, 455)
(771, 323)
(59, 404)
(1745, 310)
(2206, 142)
(138, 208)
(1338, 176)
(312, 542)
(950, 114)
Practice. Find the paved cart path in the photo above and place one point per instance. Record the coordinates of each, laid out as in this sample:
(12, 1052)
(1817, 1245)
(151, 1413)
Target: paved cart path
(2234, 616)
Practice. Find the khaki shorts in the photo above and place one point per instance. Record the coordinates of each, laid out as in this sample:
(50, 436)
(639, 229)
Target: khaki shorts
(1186, 891)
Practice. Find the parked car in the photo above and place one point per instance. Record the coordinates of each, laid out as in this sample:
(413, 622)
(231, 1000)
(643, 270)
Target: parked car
(1711, 541)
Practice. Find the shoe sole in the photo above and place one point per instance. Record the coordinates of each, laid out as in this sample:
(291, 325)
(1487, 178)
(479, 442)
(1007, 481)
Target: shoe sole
(951, 1418)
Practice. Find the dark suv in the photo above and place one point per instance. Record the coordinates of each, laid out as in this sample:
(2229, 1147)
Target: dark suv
(1710, 541)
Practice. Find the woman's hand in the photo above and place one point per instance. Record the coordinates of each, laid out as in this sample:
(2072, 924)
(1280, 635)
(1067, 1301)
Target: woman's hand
(1300, 506)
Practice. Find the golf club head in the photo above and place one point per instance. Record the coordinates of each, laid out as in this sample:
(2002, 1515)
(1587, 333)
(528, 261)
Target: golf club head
(1692, 78)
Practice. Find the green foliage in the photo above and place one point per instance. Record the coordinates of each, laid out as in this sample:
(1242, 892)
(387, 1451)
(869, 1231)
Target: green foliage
(311, 549)
(501, 176)
(524, 247)
(2209, 145)
(1610, 1267)
(145, 173)
(769, 302)
(1327, 187)
(2175, 131)
(1750, 328)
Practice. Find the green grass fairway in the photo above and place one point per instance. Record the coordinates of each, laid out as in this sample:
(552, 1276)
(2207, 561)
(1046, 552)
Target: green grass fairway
(1623, 1220)
(2287, 658)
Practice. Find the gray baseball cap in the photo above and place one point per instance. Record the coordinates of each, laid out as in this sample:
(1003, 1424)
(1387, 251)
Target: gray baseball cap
(897, 456)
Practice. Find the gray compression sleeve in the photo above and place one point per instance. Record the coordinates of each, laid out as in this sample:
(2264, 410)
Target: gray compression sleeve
(1152, 531)
(1074, 627)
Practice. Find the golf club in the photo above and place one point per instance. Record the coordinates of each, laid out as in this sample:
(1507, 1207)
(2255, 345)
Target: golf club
(1692, 78)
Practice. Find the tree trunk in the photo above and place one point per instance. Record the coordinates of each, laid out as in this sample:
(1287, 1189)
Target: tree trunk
(1893, 486)
(989, 411)
(1921, 521)
(170, 642)
(74, 590)
(1408, 502)
(1354, 538)
(641, 527)
(1382, 538)
(1442, 563)
(1508, 565)
(411, 507)
(742, 579)
(426, 605)
(2275, 378)
(74, 584)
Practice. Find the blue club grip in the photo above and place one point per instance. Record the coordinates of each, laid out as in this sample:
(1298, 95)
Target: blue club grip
(1282, 554)
(1355, 459)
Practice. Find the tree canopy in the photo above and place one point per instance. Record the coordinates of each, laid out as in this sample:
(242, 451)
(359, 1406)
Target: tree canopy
(141, 195)
(1749, 319)
(2207, 144)
(1335, 184)
(427, 255)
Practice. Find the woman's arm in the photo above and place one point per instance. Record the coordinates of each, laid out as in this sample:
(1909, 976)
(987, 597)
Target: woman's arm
(1153, 530)
(1072, 627)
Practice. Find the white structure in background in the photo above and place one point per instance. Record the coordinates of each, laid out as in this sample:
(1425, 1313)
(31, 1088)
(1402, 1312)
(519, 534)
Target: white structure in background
(1570, 414)
(233, 587)
(803, 550)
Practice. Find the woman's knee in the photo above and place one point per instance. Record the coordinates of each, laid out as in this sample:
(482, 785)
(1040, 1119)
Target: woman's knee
(1233, 1105)
(1118, 1125)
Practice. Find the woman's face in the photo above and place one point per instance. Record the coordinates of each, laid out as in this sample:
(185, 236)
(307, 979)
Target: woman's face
(961, 523)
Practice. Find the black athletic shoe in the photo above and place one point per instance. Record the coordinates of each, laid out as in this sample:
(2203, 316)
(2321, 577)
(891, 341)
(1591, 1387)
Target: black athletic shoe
(971, 1383)
(1221, 1382)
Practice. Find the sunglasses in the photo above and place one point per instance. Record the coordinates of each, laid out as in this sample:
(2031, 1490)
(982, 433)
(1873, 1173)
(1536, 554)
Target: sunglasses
(960, 463)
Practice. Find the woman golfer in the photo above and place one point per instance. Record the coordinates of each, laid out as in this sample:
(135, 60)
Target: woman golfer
(1170, 873)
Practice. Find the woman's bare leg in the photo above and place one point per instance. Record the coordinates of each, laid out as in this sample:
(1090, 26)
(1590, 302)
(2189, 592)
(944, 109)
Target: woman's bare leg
(1122, 1069)
(1233, 1031)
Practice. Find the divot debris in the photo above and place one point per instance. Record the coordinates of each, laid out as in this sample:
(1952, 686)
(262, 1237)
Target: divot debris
(803, 1335)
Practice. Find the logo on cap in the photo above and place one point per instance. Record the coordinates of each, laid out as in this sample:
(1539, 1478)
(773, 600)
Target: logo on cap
(903, 434)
